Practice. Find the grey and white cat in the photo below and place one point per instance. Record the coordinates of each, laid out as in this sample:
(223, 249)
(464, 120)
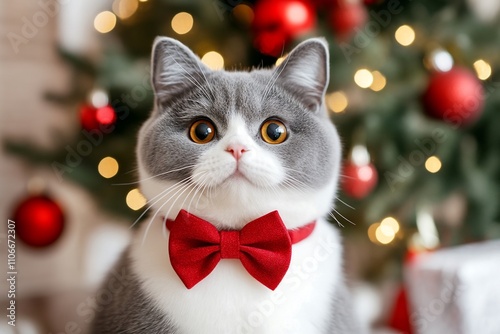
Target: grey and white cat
(230, 147)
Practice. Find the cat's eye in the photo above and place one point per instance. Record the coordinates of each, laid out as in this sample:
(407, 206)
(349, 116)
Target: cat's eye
(273, 131)
(202, 131)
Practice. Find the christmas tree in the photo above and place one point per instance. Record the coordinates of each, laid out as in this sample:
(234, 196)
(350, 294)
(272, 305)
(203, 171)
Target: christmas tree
(414, 93)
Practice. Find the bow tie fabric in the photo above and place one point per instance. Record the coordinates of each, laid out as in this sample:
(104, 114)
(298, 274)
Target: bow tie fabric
(264, 247)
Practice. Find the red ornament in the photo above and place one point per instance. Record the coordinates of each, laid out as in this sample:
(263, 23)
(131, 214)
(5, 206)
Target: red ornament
(345, 17)
(358, 181)
(456, 97)
(39, 221)
(276, 22)
(93, 118)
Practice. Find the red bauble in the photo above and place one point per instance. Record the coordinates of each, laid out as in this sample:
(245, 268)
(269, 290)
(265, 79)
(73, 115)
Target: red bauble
(345, 17)
(279, 21)
(358, 181)
(39, 221)
(93, 118)
(456, 97)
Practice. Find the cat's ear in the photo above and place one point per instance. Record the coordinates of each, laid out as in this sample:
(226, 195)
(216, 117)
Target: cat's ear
(305, 72)
(175, 68)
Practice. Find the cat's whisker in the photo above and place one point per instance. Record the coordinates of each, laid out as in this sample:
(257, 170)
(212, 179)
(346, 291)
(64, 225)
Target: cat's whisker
(274, 78)
(346, 176)
(184, 186)
(154, 176)
(208, 83)
(161, 195)
(343, 216)
(339, 223)
(195, 186)
(192, 79)
(341, 201)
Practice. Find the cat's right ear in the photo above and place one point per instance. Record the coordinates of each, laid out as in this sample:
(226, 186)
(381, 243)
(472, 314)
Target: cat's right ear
(175, 68)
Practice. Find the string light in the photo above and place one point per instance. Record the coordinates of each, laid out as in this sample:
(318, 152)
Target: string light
(483, 69)
(182, 23)
(433, 164)
(108, 167)
(104, 22)
(363, 78)
(371, 232)
(337, 101)
(213, 60)
(135, 200)
(405, 35)
(243, 13)
(440, 60)
(379, 81)
(384, 234)
(392, 223)
(125, 8)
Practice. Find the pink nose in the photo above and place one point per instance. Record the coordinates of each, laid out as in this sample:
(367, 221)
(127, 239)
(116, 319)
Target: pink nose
(236, 150)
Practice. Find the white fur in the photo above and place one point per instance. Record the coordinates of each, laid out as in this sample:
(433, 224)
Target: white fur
(229, 300)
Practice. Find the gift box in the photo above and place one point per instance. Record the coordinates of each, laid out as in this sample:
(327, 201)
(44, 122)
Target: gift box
(455, 290)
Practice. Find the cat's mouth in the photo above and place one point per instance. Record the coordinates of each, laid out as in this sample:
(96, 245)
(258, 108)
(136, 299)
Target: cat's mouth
(237, 175)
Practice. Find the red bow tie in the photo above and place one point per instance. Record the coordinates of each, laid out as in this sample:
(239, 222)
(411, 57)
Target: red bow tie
(264, 247)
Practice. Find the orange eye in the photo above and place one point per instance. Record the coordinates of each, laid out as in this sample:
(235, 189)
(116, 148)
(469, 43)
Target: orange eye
(273, 132)
(202, 131)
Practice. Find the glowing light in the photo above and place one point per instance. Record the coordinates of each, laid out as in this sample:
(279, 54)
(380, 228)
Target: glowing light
(125, 8)
(104, 22)
(143, 0)
(296, 13)
(440, 60)
(371, 232)
(483, 69)
(337, 101)
(99, 98)
(379, 81)
(135, 200)
(384, 234)
(213, 60)
(108, 167)
(390, 222)
(280, 60)
(405, 35)
(427, 230)
(433, 164)
(243, 13)
(105, 115)
(182, 23)
(363, 78)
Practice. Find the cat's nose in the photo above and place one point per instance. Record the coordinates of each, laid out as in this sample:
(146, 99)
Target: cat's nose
(236, 150)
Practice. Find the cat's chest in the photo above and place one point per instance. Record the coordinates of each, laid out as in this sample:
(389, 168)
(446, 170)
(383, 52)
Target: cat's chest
(229, 300)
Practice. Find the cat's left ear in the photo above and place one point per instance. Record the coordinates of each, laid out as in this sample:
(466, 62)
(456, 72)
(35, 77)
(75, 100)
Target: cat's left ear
(305, 72)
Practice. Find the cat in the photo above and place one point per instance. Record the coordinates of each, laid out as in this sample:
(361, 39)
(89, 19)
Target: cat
(228, 148)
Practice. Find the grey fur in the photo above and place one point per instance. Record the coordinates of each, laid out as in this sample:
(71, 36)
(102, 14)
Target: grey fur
(312, 149)
(126, 308)
(187, 90)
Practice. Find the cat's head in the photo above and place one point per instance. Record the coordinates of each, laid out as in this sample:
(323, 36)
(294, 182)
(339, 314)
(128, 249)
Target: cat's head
(231, 146)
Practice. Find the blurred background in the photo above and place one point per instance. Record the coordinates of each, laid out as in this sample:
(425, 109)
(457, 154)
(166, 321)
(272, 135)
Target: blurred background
(414, 92)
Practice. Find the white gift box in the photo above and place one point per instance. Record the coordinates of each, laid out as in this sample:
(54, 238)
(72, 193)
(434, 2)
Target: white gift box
(456, 290)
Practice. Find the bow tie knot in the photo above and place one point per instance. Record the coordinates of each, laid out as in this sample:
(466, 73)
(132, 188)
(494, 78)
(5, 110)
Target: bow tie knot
(264, 247)
(229, 244)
